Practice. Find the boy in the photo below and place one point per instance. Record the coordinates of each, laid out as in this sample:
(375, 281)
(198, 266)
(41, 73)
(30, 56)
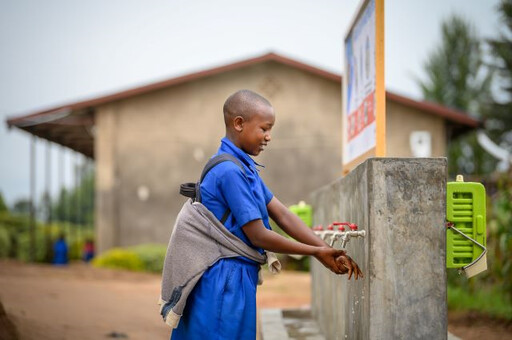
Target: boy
(222, 305)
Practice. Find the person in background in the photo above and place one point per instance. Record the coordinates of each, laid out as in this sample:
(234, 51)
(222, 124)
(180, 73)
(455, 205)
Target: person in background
(88, 251)
(60, 251)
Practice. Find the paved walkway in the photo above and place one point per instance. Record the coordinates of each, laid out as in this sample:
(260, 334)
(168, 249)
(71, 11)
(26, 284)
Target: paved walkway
(293, 324)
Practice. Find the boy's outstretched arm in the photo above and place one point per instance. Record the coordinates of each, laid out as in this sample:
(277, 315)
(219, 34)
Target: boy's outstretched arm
(261, 237)
(292, 224)
(296, 228)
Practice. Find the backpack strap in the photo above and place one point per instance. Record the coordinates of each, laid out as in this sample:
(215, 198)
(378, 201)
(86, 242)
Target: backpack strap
(223, 157)
(193, 190)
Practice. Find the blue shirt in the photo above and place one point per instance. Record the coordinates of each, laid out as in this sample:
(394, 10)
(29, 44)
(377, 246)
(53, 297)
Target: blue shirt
(226, 186)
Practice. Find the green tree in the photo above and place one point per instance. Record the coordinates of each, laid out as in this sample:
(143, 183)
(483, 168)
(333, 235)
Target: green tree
(499, 118)
(21, 207)
(44, 208)
(60, 206)
(458, 78)
(76, 205)
(500, 235)
(499, 125)
(3, 206)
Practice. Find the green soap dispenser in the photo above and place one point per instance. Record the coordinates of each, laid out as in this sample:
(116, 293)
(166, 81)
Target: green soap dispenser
(304, 211)
(466, 232)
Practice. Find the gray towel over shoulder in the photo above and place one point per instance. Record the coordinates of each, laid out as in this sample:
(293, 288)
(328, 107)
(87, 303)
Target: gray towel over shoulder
(198, 240)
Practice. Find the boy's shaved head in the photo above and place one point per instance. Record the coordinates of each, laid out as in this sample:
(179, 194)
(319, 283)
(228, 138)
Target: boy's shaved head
(249, 119)
(242, 103)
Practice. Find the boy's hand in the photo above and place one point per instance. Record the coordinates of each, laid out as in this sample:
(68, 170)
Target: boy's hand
(327, 256)
(350, 266)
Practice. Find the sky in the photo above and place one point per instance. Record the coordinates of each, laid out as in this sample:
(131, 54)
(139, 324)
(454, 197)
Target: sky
(55, 52)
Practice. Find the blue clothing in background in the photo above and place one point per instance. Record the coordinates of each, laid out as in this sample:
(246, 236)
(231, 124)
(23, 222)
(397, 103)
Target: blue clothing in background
(223, 302)
(60, 252)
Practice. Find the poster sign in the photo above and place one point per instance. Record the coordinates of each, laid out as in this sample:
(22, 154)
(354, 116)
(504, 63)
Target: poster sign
(363, 86)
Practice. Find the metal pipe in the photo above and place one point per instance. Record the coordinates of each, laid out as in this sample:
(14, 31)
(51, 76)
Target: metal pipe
(92, 173)
(67, 204)
(61, 178)
(78, 193)
(48, 202)
(32, 226)
(72, 221)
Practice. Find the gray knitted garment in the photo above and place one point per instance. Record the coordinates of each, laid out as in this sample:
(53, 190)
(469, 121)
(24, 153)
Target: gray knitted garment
(198, 240)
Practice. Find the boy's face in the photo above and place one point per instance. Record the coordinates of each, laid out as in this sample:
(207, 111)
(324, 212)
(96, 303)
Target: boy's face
(255, 132)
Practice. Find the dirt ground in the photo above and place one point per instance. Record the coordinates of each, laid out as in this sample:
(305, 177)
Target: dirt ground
(82, 302)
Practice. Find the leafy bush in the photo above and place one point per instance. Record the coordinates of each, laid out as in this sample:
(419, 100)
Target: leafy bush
(486, 300)
(500, 237)
(144, 257)
(5, 242)
(152, 255)
(14, 222)
(23, 247)
(119, 258)
(15, 239)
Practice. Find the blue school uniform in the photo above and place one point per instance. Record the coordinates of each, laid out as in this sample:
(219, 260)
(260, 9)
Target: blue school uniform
(223, 303)
(60, 252)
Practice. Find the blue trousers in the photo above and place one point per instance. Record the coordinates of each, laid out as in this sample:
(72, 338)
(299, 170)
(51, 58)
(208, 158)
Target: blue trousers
(223, 303)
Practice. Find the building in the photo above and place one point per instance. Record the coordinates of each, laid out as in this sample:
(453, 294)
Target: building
(147, 141)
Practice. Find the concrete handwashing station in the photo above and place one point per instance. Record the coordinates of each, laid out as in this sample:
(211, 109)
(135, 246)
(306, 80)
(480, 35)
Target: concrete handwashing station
(465, 221)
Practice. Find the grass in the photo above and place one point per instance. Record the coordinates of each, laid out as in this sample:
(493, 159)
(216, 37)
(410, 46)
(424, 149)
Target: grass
(489, 301)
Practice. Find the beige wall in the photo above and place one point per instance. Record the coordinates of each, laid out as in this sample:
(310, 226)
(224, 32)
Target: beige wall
(156, 141)
(402, 120)
(161, 139)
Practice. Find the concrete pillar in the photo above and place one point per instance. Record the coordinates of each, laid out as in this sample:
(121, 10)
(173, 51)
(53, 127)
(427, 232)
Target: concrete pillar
(400, 202)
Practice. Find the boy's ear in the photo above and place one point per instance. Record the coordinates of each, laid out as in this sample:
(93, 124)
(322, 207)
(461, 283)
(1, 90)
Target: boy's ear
(238, 123)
